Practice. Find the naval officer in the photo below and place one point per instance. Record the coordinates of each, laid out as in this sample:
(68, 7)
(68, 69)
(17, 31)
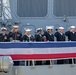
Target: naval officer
(27, 37)
(3, 35)
(39, 35)
(71, 34)
(15, 35)
(48, 34)
(71, 37)
(60, 35)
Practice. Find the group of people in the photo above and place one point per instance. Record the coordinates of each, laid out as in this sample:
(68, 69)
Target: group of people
(60, 35)
(48, 35)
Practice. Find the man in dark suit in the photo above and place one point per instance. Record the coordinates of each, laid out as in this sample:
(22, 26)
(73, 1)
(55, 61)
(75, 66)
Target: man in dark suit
(3, 35)
(38, 35)
(48, 34)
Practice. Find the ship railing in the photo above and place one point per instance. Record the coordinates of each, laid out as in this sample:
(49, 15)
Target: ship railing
(32, 62)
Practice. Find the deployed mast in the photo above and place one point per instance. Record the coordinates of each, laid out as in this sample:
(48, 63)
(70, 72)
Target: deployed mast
(6, 10)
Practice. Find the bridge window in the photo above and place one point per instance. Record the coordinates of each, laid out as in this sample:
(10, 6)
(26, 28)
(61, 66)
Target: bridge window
(64, 7)
(32, 8)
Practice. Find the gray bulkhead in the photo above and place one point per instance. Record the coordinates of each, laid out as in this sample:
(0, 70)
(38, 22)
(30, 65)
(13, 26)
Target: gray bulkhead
(50, 18)
(32, 15)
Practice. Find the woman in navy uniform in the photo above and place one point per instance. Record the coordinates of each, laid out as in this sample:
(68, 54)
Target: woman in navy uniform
(3, 35)
(48, 34)
(38, 35)
(28, 37)
(60, 35)
(15, 35)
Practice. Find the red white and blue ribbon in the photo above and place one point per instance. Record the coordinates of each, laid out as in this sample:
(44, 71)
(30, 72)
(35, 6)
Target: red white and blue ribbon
(38, 51)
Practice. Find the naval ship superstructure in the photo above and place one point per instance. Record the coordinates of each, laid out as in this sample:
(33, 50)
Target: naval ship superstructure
(31, 58)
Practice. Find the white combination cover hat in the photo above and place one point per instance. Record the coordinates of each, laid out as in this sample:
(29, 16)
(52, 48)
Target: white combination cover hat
(28, 29)
(72, 26)
(50, 27)
(61, 27)
(3, 28)
(15, 26)
(39, 29)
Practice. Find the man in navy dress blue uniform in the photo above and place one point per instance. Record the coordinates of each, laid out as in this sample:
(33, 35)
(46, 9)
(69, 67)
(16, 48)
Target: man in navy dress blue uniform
(71, 34)
(38, 35)
(27, 37)
(60, 35)
(15, 35)
(48, 34)
(71, 37)
(3, 35)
